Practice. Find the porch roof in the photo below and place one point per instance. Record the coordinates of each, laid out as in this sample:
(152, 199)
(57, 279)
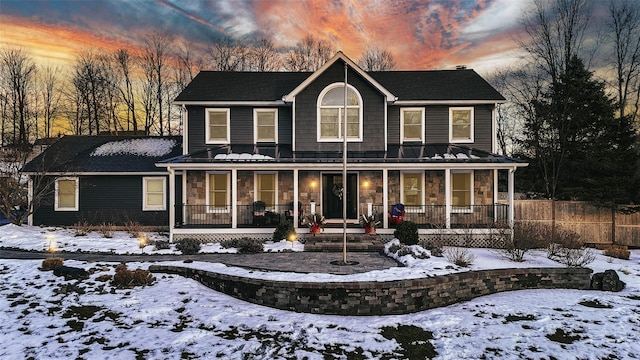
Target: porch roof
(282, 154)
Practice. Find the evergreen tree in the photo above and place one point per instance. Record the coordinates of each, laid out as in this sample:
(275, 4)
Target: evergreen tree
(577, 148)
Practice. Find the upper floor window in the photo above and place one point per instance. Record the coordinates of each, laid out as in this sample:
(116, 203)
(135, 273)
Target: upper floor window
(412, 124)
(66, 194)
(331, 113)
(265, 125)
(461, 124)
(153, 197)
(217, 126)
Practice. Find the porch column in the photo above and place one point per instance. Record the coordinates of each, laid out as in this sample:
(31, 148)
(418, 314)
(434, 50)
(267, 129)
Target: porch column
(495, 194)
(295, 199)
(510, 197)
(385, 198)
(172, 202)
(447, 198)
(31, 207)
(234, 198)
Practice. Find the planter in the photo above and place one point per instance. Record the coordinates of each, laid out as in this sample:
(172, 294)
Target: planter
(368, 229)
(315, 229)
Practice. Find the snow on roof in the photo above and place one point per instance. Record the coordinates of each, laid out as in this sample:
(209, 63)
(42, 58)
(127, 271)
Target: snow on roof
(139, 147)
(242, 156)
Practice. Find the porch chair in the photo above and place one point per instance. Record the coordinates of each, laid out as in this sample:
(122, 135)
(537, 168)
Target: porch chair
(290, 212)
(396, 214)
(259, 213)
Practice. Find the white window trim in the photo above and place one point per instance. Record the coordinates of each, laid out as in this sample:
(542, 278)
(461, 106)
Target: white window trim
(340, 124)
(463, 210)
(471, 126)
(77, 199)
(206, 125)
(146, 207)
(255, 125)
(412, 208)
(210, 208)
(422, 130)
(255, 187)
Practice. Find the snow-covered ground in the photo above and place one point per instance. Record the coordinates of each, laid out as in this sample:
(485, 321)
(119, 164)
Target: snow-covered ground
(46, 317)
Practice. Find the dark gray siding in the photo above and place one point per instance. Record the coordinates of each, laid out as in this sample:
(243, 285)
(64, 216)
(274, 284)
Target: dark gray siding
(105, 199)
(241, 126)
(306, 113)
(436, 119)
(195, 129)
(483, 127)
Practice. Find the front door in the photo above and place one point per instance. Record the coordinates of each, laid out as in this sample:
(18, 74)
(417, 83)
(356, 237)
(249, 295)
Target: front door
(332, 196)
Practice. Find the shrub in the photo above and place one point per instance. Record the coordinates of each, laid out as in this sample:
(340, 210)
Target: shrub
(188, 246)
(244, 245)
(526, 236)
(107, 230)
(407, 233)
(127, 278)
(283, 230)
(133, 228)
(161, 244)
(82, 228)
(617, 251)
(569, 250)
(459, 256)
(51, 263)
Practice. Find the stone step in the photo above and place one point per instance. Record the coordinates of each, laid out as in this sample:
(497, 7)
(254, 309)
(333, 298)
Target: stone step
(334, 243)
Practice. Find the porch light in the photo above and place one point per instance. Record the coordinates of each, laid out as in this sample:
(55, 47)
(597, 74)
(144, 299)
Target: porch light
(142, 242)
(366, 184)
(313, 184)
(53, 244)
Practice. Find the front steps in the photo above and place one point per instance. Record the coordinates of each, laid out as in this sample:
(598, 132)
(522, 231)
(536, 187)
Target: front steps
(334, 242)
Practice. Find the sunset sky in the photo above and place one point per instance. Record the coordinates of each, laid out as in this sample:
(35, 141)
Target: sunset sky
(421, 34)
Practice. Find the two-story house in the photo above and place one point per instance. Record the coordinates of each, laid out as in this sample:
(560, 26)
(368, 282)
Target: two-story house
(256, 143)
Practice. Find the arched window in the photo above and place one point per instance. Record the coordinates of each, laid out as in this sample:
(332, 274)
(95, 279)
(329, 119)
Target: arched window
(331, 113)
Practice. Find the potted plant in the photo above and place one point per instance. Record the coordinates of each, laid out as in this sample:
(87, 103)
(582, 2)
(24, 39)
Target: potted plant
(315, 223)
(369, 223)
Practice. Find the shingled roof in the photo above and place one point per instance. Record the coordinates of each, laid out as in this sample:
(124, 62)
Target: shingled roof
(81, 154)
(436, 85)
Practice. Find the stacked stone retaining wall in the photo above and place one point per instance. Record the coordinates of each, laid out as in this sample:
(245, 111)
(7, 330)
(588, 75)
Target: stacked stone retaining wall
(386, 297)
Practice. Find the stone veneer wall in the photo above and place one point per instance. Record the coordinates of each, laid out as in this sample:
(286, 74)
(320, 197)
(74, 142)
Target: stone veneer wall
(384, 298)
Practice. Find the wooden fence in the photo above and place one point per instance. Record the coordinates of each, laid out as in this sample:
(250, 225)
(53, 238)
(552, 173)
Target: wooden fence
(595, 225)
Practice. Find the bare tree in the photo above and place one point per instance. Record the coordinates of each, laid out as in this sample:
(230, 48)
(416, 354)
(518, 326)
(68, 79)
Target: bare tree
(49, 84)
(555, 32)
(228, 55)
(624, 33)
(154, 63)
(18, 75)
(308, 55)
(263, 56)
(90, 84)
(189, 65)
(125, 65)
(376, 59)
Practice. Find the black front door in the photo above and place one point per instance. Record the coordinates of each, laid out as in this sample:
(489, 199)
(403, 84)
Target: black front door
(332, 196)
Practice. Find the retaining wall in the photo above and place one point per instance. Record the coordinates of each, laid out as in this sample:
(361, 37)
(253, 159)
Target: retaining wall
(384, 298)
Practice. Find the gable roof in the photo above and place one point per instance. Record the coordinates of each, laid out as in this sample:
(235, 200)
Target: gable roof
(105, 154)
(276, 88)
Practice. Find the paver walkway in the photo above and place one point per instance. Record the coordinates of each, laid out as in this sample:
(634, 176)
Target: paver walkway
(302, 262)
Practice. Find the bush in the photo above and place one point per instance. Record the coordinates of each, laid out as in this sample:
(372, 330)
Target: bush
(244, 245)
(51, 263)
(459, 256)
(82, 228)
(526, 236)
(127, 278)
(407, 233)
(569, 250)
(161, 244)
(133, 228)
(188, 246)
(617, 251)
(107, 230)
(283, 230)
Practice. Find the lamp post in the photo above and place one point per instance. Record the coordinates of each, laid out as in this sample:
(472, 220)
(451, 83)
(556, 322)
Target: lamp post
(344, 171)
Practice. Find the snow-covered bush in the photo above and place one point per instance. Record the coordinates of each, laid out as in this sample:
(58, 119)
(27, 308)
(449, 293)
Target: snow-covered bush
(459, 255)
(407, 233)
